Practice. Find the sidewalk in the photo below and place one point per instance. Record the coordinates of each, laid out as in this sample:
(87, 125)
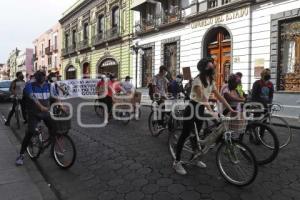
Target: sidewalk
(19, 183)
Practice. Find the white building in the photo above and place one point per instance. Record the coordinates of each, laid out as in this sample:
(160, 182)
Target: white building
(241, 35)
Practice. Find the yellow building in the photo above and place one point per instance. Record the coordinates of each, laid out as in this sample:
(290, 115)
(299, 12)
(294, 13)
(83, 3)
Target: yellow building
(97, 39)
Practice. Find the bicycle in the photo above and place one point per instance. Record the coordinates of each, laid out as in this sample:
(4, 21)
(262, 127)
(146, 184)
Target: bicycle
(156, 125)
(259, 137)
(62, 146)
(231, 151)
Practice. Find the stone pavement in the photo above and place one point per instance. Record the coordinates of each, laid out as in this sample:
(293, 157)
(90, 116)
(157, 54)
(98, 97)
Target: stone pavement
(19, 183)
(125, 162)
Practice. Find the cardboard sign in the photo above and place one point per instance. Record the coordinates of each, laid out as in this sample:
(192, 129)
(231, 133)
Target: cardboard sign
(187, 73)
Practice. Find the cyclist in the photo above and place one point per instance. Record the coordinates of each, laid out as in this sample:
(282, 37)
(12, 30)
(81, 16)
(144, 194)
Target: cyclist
(16, 88)
(239, 87)
(202, 87)
(230, 92)
(176, 86)
(38, 94)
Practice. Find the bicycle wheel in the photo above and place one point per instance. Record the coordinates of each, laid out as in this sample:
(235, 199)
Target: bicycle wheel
(187, 150)
(283, 130)
(63, 151)
(236, 163)
(263, 142)
(34, 147)
(153, 125)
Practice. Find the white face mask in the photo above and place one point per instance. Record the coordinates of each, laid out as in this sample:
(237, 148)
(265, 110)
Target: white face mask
(54, 79)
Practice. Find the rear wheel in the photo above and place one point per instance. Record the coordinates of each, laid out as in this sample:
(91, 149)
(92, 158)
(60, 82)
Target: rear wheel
(64, 151)
(153, 124)
(263, 142)
(236, 163)
(34, 147)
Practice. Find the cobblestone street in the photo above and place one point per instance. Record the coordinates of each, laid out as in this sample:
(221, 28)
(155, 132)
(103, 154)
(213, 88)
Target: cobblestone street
(126, 162)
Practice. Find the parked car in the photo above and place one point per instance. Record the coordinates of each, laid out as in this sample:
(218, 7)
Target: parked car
(4, 90)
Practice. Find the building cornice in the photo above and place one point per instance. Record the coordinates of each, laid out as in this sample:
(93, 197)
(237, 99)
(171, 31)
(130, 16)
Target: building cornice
(75, 10)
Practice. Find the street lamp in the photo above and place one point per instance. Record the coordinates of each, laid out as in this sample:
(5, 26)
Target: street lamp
(136, 49)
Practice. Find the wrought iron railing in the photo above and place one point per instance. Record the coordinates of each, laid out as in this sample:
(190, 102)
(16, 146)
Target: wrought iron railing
(48, 51)
(113, 33)
(84, 44)
(98, 39)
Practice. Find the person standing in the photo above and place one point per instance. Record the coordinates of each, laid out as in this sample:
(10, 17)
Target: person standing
(38, 94)
(177, 87)
(16, 88)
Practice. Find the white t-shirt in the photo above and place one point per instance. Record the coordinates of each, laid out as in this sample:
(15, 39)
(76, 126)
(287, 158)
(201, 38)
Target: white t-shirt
(127, 86)
(161, 83)
(20, 85)
(204, 91)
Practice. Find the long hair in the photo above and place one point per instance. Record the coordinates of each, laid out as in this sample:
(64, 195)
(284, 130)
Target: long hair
(202, 64)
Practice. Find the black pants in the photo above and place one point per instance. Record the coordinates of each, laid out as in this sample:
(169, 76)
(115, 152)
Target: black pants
(108, 101)
(33, 120)
(188, 125)
(13, 110)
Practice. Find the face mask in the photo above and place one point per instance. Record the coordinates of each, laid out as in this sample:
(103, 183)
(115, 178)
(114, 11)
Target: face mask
(267, 77)
(40, 79)
(178, 80)
(54, 79)
(210, 71)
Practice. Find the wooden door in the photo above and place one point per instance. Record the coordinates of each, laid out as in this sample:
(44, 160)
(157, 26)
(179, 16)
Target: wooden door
(219, 48)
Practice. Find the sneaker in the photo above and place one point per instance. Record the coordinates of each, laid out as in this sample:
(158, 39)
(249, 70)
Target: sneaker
(199, 164)
(20, 160)
(177, 165)
(7, 123)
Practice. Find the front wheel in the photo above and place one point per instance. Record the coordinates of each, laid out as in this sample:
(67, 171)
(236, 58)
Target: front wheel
(34, 147)
(236, 163)
(153, 124)
(64, 151)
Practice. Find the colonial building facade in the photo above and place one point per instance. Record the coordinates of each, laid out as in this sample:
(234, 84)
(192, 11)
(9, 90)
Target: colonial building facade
(96, 39)
(241, 35)
(47, 50)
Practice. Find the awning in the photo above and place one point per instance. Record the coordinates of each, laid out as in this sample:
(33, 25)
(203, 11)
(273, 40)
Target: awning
(138, 3)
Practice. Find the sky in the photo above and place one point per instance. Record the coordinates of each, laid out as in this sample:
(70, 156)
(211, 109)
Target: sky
(22, 21)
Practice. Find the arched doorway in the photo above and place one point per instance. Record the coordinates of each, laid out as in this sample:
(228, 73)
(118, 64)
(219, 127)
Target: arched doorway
(70, 72)
(217, 45)
(86, 71)
(108, 65)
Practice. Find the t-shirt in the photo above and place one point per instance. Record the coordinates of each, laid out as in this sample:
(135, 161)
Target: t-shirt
(127, 86)
(113, 87)
(204, 91)
(35, 92)
(161, 84)
(19, 87)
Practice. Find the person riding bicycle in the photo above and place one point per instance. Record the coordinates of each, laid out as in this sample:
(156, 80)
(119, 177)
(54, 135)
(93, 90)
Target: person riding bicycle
(202, 87)
(230, 92)
(38, 94)
(16, 88)
(177, 87)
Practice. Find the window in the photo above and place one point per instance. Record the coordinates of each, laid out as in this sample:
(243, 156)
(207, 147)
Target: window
(115, 17)
(290, 56)
(74, 38)
(100, 24)
(42, 49)
(85, 31)
(55, 61)
(49, 43)
(66, 40)
(170, 59)
(55, 42)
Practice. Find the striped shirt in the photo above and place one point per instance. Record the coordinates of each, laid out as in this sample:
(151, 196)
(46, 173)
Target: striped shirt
(37, 93)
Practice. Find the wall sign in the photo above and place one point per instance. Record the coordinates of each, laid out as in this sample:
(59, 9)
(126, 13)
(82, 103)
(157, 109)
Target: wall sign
(243, 12)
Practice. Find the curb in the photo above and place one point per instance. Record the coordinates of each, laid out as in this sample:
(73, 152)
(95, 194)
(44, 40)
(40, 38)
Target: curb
(35, 171)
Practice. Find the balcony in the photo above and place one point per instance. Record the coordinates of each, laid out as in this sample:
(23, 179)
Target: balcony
(54, 48)
(69, 50)
(173, 15)
(113, 33)
(48, 51)
(83, 45)
(98, 39)
(144, 26)
(35, 58)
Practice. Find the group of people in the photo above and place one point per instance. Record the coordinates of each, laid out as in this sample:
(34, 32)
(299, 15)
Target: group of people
(36, 97)
(200, 89)
(109, 86)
